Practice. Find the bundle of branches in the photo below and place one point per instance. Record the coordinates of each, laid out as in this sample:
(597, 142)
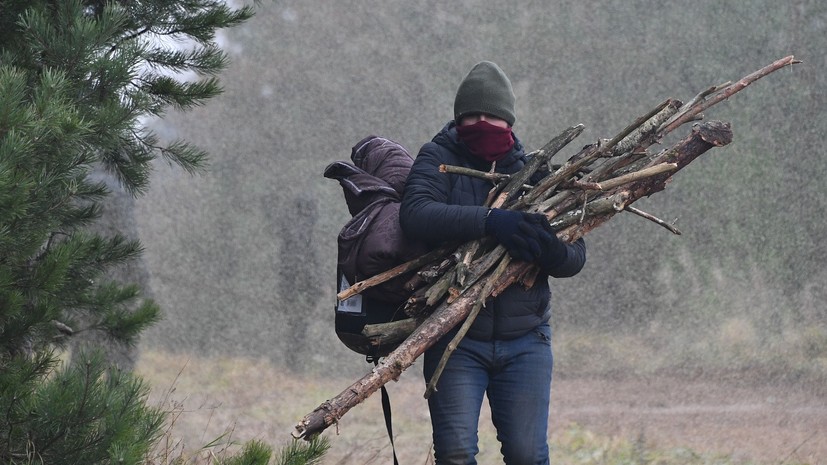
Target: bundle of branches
(601, 180)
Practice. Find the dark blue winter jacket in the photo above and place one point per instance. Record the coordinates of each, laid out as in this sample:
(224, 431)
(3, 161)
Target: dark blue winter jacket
(439, 207)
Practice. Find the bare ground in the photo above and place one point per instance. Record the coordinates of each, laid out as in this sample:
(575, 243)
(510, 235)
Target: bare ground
(747, 421)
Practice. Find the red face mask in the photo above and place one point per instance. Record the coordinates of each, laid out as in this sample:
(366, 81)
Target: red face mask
(486, 141)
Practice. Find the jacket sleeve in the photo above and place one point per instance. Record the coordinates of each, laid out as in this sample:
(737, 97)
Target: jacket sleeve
(571, 265)
(426, 213)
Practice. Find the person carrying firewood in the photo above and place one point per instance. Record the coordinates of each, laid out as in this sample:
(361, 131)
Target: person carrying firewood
(506, 353)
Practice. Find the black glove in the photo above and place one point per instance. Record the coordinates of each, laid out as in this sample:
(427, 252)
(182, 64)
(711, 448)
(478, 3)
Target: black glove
(553, 250)
(520, 233)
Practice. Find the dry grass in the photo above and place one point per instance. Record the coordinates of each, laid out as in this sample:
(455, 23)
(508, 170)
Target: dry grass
(224, 402)
(237, 400)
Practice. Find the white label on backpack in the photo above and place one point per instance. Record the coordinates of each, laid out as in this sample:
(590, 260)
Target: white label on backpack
(351, 304)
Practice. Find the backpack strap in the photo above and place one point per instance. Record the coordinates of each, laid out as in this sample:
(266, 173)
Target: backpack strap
(386, 409)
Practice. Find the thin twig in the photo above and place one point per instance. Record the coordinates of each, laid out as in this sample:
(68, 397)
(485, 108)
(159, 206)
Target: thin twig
(652, 218)
(792, 452)
(398, 270)
(495, 178)
(487, 175)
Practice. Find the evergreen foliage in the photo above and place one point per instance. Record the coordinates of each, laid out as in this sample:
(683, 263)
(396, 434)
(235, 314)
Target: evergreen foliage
(77, 78)
(254, 453)
(82, 414)
(304, 452)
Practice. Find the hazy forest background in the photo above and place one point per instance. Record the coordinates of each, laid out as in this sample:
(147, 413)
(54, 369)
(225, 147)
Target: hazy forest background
(242, 258)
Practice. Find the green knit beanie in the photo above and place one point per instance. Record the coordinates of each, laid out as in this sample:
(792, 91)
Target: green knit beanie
(486, 89)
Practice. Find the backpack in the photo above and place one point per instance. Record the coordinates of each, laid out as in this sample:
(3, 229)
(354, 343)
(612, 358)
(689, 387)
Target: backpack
(372, 241)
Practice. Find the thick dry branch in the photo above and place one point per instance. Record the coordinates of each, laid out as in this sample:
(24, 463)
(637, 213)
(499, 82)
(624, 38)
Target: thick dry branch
(465, 261)
(434, 327)
(644, 126)
(703, 137)
(387, 334)
(466, 325)
(600, 206)
(476, 271)
(436, 292)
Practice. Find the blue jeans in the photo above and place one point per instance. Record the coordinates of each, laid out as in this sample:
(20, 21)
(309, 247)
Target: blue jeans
(516, 376)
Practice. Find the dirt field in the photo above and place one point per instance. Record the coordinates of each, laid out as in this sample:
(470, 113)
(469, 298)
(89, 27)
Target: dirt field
(767, 424)
(749, 423)
(762, 424)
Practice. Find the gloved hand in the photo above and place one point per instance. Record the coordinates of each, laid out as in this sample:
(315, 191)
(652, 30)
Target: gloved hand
(522, 234)
(553, 250)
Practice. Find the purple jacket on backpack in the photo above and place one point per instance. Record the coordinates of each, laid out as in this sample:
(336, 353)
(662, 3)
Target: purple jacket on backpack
(373, 241)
